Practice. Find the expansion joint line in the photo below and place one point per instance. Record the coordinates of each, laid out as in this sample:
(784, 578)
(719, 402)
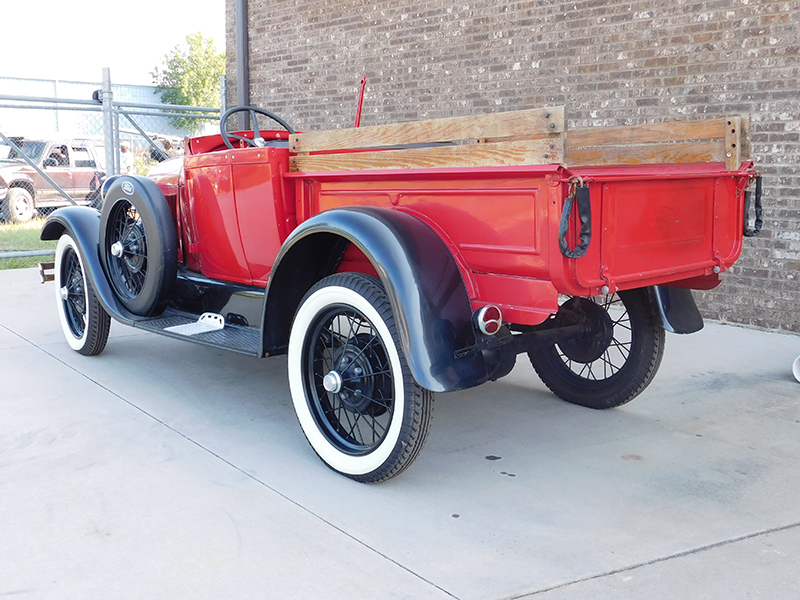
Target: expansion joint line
(655, 561)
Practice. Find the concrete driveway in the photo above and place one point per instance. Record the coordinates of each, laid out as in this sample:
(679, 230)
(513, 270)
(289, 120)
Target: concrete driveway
(161, 469)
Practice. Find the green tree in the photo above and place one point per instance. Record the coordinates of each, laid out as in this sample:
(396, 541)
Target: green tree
(190, 75)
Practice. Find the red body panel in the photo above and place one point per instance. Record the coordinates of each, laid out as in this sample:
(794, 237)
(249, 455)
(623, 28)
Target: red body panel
(658, 224)
(651, 224)
(494, 220)
(236, 211)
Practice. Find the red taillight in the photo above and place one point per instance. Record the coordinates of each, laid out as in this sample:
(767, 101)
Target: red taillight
(489, 319)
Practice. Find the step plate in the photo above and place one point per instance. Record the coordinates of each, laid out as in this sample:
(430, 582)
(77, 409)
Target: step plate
(231, 337)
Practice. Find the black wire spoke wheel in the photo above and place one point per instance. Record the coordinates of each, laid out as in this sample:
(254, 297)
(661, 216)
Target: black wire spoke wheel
(355, 398)
(616, 357)
(351, 387)
(608, 349)
(74, 294)
(127, 250)
(85, 323)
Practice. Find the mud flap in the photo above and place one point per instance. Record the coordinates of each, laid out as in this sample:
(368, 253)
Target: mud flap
(676, 309)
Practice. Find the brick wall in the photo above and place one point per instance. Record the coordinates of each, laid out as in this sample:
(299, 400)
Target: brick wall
(610, 63)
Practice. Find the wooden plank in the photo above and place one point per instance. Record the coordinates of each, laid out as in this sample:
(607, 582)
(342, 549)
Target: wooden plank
(745, 139)
(733, 147)
(679, 131)
(683, 152)
(526, 152)
(522, 124)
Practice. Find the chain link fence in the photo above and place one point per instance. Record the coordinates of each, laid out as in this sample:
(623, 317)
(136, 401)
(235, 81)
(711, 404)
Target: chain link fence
(59, 140)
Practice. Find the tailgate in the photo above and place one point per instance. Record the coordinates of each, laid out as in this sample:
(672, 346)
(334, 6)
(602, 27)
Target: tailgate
(655, 224)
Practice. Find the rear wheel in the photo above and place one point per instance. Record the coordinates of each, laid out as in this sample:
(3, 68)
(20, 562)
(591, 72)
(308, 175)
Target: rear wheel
(86, 325)
(358, 404)
(614, 361)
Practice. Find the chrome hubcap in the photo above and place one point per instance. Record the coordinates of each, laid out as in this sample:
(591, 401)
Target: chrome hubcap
(332, 382)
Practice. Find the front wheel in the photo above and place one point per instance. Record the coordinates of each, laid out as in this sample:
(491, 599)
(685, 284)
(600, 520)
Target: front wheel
(358, 404)
(18, 207)
(86, 325)
(615, 359)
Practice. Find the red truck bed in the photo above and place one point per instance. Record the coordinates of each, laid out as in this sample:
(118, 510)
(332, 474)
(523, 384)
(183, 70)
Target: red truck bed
(667, 201)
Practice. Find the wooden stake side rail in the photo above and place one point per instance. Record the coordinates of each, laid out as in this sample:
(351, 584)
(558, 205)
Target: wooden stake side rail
(714, 140)
(524, 152)
(529, 137)
(517, 125)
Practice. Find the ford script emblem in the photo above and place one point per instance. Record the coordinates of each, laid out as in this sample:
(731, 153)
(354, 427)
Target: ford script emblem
(127, 187)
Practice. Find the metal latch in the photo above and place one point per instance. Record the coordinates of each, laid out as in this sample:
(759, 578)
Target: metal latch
(579, 191)
(756, 229)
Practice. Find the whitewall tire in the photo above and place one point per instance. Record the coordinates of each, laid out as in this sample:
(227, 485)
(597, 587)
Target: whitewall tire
(84, 322)
(359, 406)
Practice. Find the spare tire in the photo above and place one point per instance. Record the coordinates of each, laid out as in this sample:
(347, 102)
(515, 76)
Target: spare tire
(138, 244)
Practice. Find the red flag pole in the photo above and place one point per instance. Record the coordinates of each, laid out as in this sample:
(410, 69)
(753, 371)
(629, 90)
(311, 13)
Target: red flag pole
(361, 100)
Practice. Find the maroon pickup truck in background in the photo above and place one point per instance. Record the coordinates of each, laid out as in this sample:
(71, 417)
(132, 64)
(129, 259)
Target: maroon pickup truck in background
(74, 165)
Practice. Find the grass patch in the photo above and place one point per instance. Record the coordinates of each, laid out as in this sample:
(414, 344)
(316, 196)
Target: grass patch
(23, 236)
(24, 262)
(15, 237)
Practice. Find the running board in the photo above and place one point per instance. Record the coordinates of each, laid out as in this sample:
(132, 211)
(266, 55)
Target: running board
(237, 338)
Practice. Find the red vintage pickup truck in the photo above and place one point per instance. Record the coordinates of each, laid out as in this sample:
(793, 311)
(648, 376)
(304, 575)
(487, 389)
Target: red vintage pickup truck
(395, 261)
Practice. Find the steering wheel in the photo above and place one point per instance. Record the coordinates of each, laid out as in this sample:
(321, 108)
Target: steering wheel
(257, 141)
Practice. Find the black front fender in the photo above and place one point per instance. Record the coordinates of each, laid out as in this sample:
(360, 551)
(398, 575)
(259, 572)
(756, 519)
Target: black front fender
(82, 224)
(420, 275)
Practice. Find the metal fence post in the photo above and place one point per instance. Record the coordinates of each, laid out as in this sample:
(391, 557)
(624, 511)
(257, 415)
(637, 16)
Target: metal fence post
(112, 165)
(242, 62)
(116, 143)
(223, 94)
(55, 93)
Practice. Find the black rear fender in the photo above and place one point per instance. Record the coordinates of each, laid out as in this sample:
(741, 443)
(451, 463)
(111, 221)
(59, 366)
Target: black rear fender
(427, 293)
